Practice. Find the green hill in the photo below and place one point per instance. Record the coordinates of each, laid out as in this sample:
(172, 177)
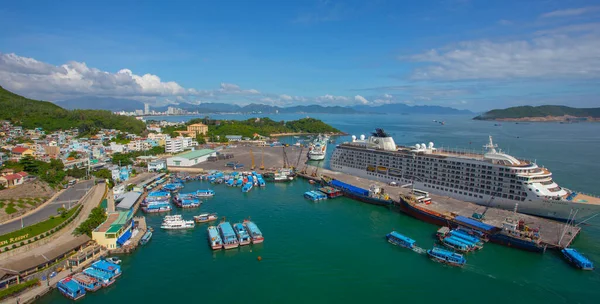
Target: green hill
(43, 114)
(540, 111)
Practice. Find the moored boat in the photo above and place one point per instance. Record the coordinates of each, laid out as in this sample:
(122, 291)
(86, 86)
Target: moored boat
(247, 187)
(255, 233)
(88, 282)
(157, 207)
(214, 239)
(70, 288)
(205, 217)
(400, 240)
(177, 224)
(228, 236)
(242, 234)
(106, 279)
(188, 203)
(105, 266)
(446, 257)
(146, 237)
(205, 193)
(314, 196)
(577, 259)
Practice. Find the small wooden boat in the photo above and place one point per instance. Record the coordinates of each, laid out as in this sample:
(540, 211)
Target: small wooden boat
(205, 217)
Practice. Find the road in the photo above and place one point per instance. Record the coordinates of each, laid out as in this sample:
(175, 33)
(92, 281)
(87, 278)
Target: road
(66, 199)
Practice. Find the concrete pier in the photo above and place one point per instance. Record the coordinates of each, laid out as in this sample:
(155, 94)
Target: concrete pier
(554, 234)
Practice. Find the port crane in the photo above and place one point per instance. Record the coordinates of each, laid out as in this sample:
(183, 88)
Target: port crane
(299, 155)
(252, 159)
(262, 158)
(481, 216)
(286, 163)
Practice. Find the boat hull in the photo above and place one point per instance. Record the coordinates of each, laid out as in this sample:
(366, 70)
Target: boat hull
(422, 215)
(367, 199)
(258, 240)
(230, 246)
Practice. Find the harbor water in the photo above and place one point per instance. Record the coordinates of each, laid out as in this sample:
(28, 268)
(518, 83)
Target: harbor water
(335, 250)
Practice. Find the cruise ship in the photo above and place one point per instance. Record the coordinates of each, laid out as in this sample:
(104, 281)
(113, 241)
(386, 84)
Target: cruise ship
(493, 179)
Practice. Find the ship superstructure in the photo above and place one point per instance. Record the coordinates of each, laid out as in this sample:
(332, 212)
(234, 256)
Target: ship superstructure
(493, 179)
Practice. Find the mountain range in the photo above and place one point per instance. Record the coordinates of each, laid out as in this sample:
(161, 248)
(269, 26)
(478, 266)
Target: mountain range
(116, 104)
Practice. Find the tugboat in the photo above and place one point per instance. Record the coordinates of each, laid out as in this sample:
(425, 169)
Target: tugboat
(70, 289)
(446, 257)
(577, 259)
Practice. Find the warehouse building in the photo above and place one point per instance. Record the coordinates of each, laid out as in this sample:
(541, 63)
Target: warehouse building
(191, 158)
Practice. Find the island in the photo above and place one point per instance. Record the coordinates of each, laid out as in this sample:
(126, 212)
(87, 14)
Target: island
(542, 114)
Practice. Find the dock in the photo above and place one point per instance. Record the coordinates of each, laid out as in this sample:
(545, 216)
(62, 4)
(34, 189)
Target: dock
(553, 234)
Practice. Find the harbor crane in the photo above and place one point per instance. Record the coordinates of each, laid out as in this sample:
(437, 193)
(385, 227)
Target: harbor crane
(262, 158)
(481, 216)
(299, 155)
(286, 163)
(252, 159)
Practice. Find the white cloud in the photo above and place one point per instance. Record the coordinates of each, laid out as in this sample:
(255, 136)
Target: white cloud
(332, 98)
(361, 99)
(571, 12)
(556, 56)
(286, 97)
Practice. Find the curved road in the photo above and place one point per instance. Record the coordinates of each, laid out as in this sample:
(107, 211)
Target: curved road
(66, 199)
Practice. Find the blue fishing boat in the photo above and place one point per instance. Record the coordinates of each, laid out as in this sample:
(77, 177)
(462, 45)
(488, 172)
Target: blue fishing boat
(89, 283)
(577, 259)
(456, 244)
(242, 234)
(214, 239)
(188, 203)
(247, 187)
(371, 196)
(228, 236)
(156, 207)
(255, 233)
(156, 196)
(108, 267)
(400, 240)
(146, 237)
(446, 257)
(70, 289)
(463, 235)
(106, 279)
(239, 182)
(204, 193)
(314, 196)
(173, 187)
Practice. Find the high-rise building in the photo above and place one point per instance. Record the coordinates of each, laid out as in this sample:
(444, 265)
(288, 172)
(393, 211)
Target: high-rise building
(146, 109)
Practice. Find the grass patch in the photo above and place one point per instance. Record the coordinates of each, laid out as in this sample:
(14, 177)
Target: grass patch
(22, 205)
(32, 203)
(36, 229)
(2, 204)
(10, 209)
(5, 292)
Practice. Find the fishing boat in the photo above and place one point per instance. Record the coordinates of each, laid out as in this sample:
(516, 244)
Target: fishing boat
(105, 279)
(456, 244)
(230, 241)
(247, 187)
(173, 187)
(108, 267)
(205, 217)
(89, 283)
(374, 195)
(400, 240)
(214, 239)
(314, 196)
(177, 224)
(446, 257)
(331, 192)
(157, 207)
(188, 203)
(70, 289)
(146, 237)
(255, 233)
(577, 259)
(205, 193)
(242, 234)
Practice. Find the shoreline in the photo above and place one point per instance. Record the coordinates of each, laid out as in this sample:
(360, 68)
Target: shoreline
(307, 133)
(564, 118)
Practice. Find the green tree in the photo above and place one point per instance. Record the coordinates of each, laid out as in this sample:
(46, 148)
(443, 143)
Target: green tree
(30, 165)
(73, 154)
(200, 139)
(97, 217)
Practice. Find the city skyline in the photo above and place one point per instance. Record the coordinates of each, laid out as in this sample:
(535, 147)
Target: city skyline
(463, 54)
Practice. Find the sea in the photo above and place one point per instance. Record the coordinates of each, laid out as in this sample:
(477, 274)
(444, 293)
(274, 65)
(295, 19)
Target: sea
(335, 251)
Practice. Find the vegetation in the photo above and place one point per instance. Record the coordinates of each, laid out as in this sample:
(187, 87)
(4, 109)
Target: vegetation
(262, 126)
(540, 111)
(53, 172)
(6, 292)
(125, 159)
(34, 114)
(97, 217)
(37, 229)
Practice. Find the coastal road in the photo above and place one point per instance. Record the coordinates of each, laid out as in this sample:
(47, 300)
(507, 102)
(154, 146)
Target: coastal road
(66, 199)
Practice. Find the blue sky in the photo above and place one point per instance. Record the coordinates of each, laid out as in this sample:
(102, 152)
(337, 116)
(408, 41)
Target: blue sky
(461, 53)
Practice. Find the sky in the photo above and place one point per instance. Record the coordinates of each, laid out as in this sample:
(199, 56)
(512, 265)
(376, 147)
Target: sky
(465, 54)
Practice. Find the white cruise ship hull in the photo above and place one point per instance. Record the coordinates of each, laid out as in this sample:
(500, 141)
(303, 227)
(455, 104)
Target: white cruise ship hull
(320, 156)
(558, 210)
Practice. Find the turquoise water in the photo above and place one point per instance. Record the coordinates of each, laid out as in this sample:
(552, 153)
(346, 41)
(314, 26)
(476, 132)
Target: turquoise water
(335, 251)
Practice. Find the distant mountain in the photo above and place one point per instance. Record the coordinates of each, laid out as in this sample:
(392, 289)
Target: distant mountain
(540, 113)
(318, 109)
(101, 103)
(400, 108)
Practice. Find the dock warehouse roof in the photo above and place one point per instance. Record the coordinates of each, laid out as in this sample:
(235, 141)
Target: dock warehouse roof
(128, 200)
(196, 154)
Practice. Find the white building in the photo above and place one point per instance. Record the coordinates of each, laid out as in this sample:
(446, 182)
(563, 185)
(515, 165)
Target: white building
(190, 158)
(157, 165)
(179, 144)
(146, 109)
(117, 148)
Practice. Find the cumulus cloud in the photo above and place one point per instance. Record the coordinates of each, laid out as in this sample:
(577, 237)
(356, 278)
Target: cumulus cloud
(555, 56)
(361, 99)
(332, 98)
(571, 12)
